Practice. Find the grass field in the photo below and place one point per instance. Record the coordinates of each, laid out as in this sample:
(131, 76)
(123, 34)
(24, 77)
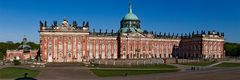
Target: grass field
(12, 72)
(202, 63)
(228, 65)
(132, 70)
(108, 73)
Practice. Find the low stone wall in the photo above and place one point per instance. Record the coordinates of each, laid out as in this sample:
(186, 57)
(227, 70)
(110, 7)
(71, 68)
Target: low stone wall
(65, 64)
(142, 61)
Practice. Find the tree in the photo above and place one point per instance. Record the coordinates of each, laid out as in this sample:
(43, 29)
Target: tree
(16, 62)
(33, 45)
(232, 49)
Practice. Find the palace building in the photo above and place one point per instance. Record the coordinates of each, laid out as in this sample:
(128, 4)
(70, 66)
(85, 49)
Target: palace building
(22, 53)
(74, 43)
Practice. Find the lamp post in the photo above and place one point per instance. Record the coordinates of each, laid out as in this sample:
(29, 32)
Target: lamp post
(4, 60)
(39, 59)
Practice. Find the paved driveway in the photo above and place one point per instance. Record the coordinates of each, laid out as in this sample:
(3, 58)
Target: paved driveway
(65, 73)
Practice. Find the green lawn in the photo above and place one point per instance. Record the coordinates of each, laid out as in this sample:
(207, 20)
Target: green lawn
(104, 70)
(202, 63)
(12, 72)
(108, 72)
(228, 65)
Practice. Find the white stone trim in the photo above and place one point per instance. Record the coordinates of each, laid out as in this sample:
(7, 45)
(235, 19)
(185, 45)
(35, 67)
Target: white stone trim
(104, 38)
(62, 33)
(207, 39)
(177, 40)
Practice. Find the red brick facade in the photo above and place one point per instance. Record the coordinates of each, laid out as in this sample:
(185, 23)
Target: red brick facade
(73, 43)
(79, 46)
(20, 55)
(201, 46)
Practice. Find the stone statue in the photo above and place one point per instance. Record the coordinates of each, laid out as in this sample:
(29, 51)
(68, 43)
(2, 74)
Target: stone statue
(65, 23)
(45, 24)
(75, 24)
(87, 24)
(41, 24)
(83, 23)
(55, 23)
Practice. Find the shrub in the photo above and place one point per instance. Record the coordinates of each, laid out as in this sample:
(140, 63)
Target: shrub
(16, 62)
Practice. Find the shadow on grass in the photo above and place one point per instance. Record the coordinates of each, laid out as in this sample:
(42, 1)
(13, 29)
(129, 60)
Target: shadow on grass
(26, 78)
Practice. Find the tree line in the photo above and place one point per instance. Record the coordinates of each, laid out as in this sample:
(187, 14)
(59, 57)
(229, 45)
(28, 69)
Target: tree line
(232, 49)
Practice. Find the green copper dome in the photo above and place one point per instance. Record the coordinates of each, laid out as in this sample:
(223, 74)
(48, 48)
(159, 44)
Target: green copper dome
(130, 22)
(130, 15)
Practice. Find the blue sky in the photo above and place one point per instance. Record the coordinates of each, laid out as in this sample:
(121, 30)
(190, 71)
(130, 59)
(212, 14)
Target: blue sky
(21, 17)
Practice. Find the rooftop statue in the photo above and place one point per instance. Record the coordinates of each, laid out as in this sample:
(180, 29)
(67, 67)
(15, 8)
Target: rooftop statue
(65, 23)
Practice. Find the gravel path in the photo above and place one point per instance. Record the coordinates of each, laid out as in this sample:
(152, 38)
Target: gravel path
(65, 73)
